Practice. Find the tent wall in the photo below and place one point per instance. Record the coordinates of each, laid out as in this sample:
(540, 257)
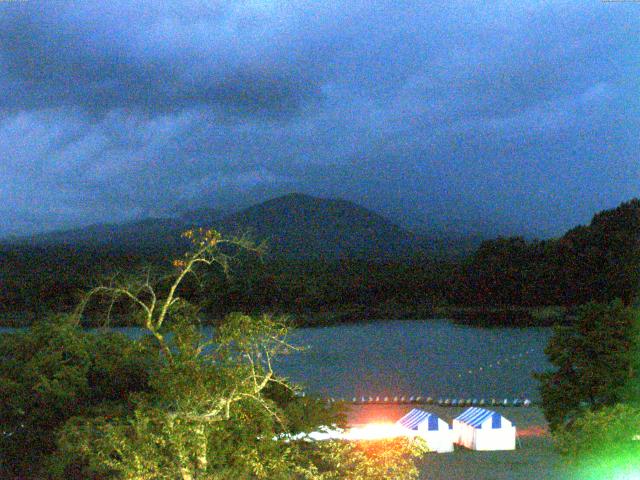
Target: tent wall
(441, 442)
(439, 439)
(435, 431)
(483, 436)
(464, 434)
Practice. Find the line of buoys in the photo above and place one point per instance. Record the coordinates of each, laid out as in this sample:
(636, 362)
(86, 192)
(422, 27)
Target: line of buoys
(503, 361)
(443, 402)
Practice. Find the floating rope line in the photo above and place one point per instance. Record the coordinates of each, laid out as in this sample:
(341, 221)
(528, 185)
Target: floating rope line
(497, 363)
(448, 402)
(420, 400)
(452, 402)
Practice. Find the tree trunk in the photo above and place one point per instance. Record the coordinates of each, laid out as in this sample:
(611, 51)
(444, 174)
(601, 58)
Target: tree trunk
(201, 460)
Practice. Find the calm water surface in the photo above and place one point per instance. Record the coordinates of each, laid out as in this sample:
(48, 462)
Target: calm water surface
(431, 358)
(416, 357)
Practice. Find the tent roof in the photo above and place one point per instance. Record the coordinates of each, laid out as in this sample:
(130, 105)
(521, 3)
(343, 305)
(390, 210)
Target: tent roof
(415, 417)
(475, 416)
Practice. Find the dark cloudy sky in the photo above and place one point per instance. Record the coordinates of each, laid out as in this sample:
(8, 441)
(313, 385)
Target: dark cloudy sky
(510, 116)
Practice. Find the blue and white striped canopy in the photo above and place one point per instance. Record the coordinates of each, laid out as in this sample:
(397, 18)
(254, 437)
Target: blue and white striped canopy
(415, 417)
(476, 416)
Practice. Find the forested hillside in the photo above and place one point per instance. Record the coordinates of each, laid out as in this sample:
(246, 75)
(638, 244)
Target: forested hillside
(600, 261)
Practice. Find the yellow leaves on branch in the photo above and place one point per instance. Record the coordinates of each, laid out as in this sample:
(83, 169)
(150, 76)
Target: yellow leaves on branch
(202, 237)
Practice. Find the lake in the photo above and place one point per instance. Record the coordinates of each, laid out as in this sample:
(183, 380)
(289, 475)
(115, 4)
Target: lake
(434, 358)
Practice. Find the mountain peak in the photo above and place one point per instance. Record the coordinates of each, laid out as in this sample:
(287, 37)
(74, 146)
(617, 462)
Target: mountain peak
(300, 225)
(295, 225)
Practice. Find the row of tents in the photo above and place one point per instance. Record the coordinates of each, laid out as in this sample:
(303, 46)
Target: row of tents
(476, 428)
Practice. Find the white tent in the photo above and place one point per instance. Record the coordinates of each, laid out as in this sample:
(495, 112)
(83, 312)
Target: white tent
(480, 429)
(436, 432)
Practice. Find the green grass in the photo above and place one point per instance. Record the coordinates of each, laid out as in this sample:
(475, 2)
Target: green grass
(534, 457)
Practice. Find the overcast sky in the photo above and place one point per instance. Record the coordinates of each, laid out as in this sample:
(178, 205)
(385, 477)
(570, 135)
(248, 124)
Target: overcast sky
(504, 116)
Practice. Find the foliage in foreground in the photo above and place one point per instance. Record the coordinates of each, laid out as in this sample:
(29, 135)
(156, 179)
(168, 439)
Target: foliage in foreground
(174, 404)
(101, 405)
(592, 399)
(603, 444)
(55, 371)
(611, 431)
(595, 363)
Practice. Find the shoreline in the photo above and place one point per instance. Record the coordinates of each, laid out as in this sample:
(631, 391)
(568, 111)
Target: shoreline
(476, 316)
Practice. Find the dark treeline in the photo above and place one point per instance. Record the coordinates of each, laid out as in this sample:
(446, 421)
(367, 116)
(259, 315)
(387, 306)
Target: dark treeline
(503, 277)
(598, 262)
(38, 280)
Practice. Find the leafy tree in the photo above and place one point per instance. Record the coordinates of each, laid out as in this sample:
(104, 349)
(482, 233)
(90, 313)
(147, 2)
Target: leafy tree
(174, 404)
(54, 371)
(593, 360)
(365, 460)
(210, 415)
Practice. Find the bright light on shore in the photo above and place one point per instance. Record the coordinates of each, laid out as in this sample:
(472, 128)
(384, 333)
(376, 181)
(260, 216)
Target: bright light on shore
(614, 467)
(375, 431)
(634, 475)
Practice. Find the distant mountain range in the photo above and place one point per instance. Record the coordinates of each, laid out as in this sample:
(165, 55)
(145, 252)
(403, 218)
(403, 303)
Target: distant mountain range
(293, 225)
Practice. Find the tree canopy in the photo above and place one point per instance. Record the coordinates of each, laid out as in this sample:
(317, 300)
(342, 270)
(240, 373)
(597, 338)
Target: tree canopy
(174, 404)
(593, 361)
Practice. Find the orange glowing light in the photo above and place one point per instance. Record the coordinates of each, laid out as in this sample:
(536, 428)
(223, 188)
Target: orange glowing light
(375, 431)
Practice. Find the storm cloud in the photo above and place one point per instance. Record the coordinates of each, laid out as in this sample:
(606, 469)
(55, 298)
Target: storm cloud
(518, 117)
